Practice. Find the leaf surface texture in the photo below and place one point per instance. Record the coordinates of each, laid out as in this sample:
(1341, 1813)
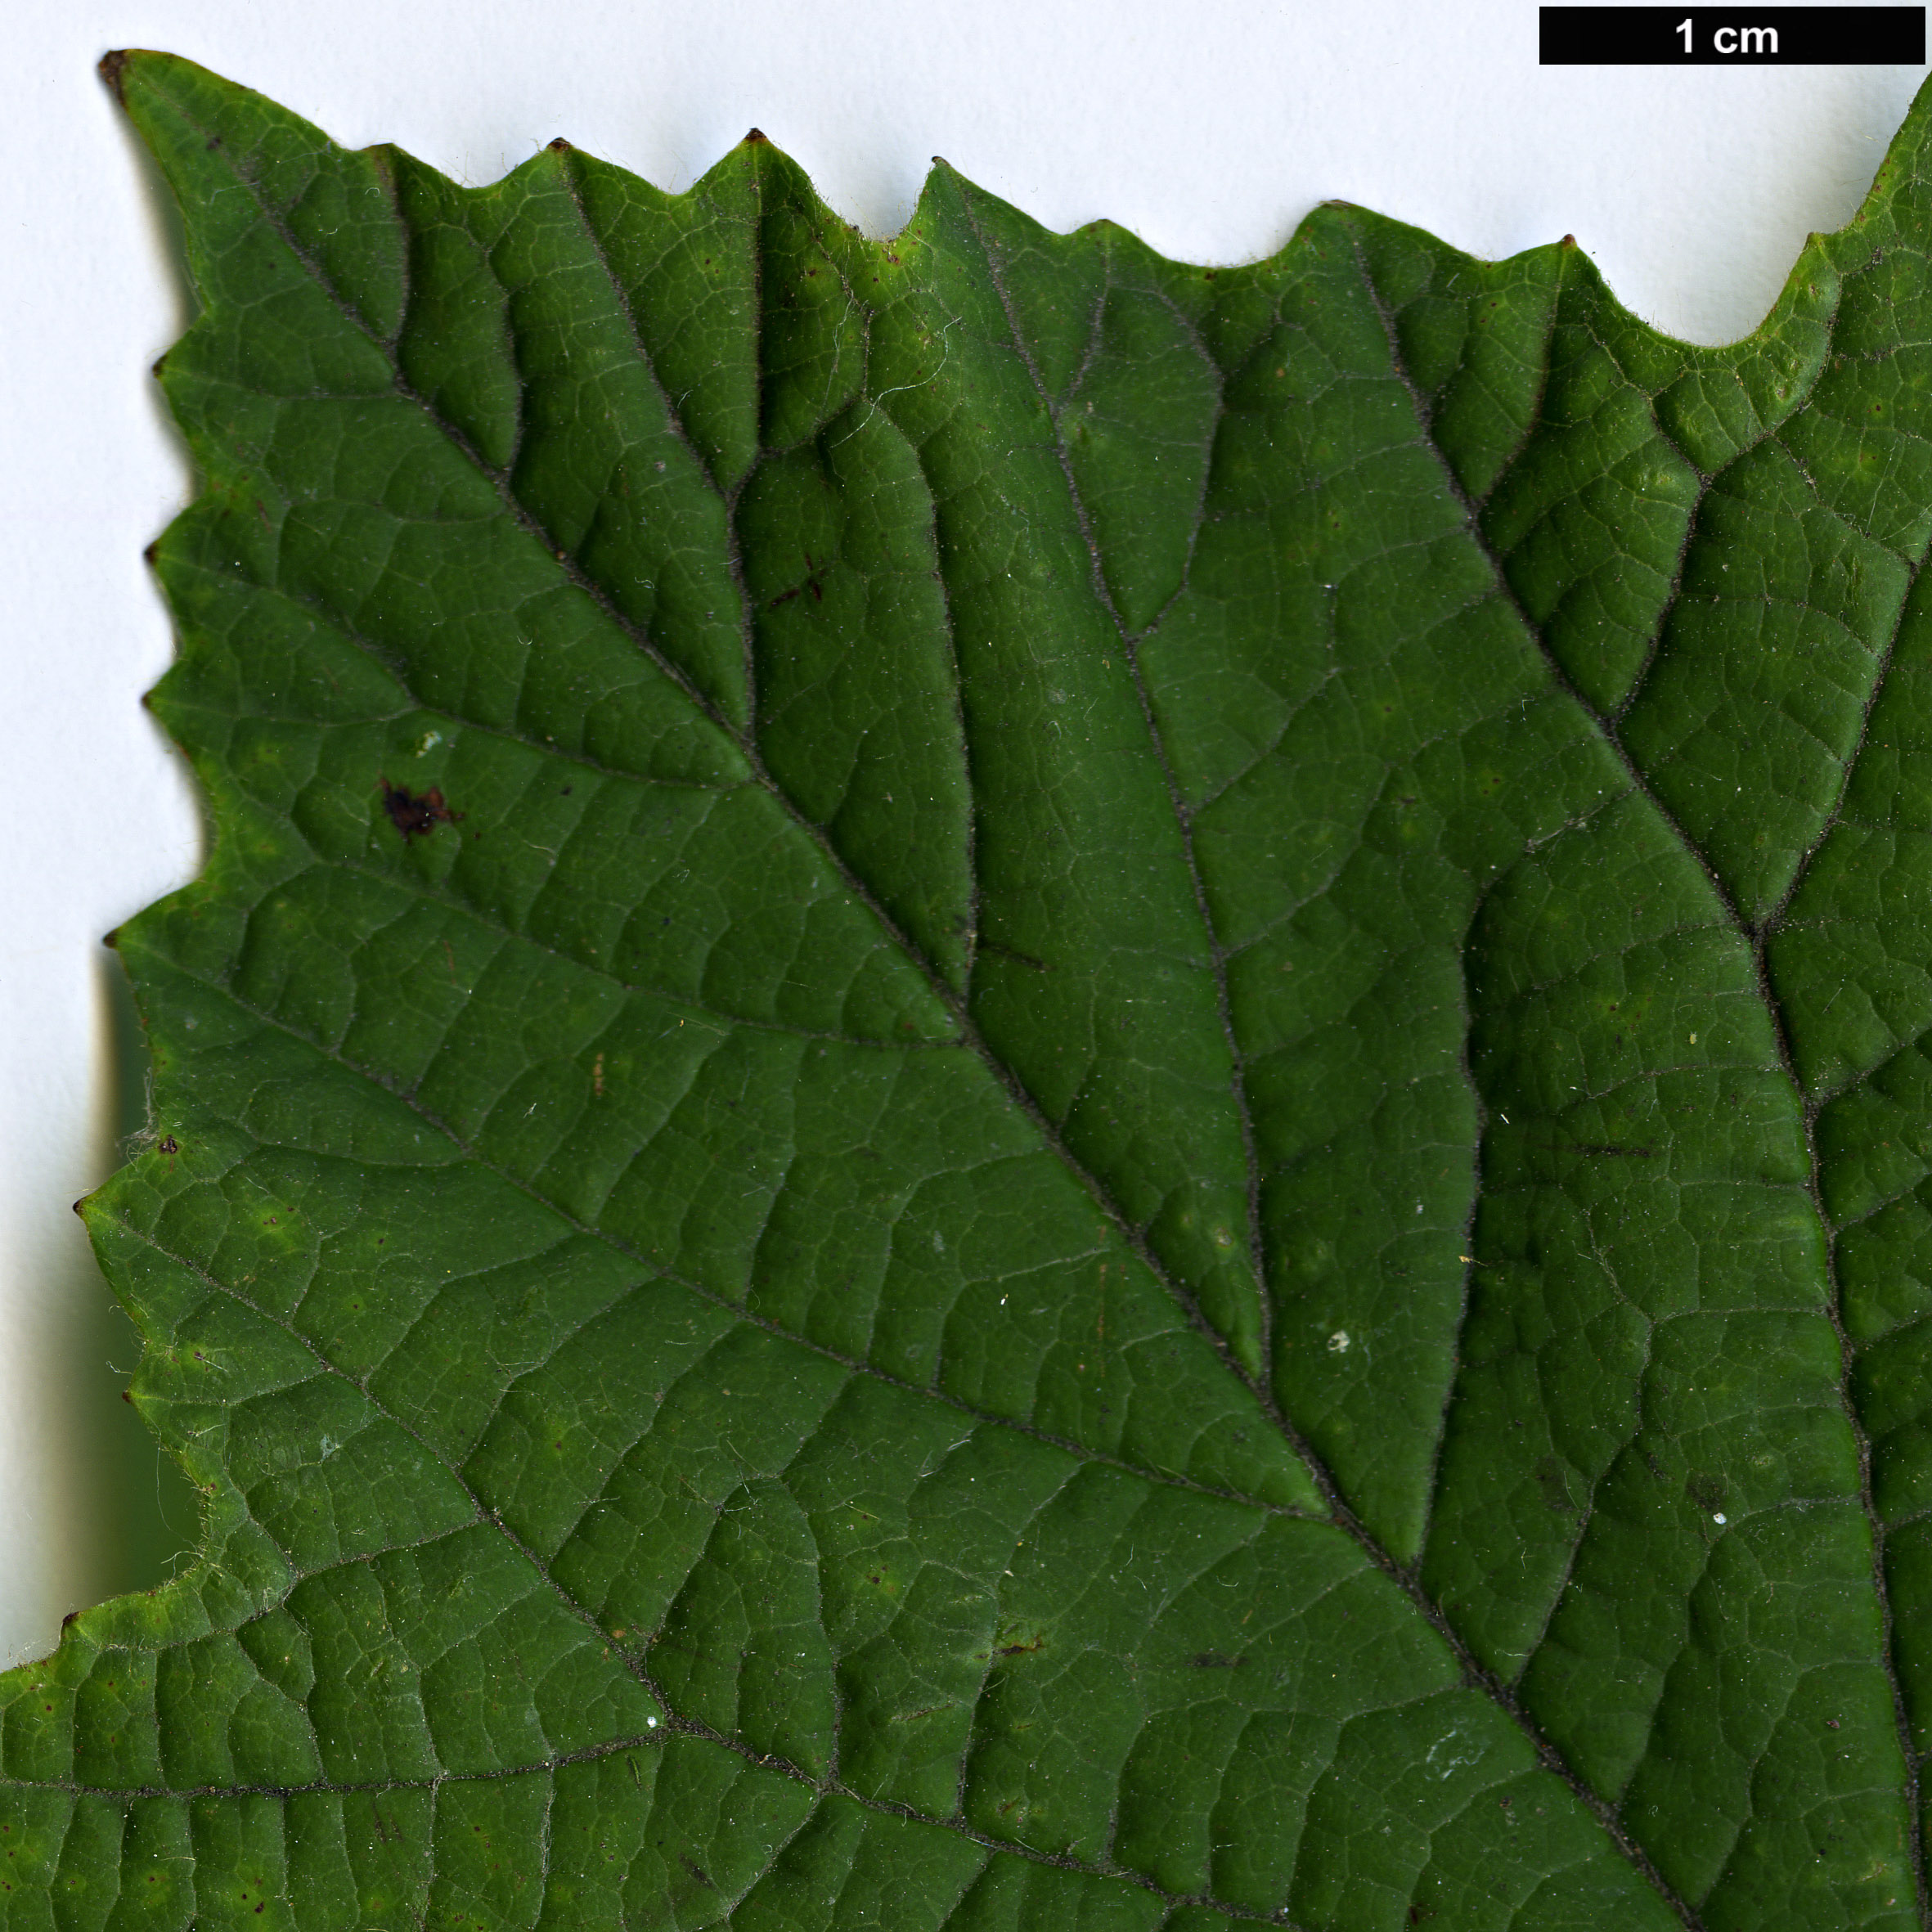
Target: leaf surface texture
(1018, 1088)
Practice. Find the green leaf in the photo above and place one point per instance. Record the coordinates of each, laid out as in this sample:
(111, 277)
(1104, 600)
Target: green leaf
(1018, 1089)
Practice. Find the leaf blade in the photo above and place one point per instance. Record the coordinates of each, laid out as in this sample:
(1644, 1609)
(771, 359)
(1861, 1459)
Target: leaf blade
(667, 1257)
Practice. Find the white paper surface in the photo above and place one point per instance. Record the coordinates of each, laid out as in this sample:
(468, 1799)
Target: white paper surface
(1210, 129)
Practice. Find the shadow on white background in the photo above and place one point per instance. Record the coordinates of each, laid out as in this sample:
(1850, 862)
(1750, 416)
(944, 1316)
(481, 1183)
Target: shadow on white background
(1209, 130)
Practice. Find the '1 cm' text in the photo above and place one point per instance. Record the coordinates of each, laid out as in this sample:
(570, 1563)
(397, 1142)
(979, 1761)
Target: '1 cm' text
(1735, 40)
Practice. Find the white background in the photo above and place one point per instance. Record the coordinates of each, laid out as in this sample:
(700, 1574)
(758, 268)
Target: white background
(1209, 128)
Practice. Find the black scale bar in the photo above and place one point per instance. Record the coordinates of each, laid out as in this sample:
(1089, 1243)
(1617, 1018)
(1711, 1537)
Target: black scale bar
(1691, 36)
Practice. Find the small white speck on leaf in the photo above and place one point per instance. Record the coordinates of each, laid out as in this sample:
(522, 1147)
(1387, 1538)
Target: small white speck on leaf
(1718, 1517)
(1338, 1342)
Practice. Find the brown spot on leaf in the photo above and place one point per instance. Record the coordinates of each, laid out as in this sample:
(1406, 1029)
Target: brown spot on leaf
(412, 813)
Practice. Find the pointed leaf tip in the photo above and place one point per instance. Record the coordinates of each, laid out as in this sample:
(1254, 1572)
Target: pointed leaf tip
(757, 138)
(110, 69)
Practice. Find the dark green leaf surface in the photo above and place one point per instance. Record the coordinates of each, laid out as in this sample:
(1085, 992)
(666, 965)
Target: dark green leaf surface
(1018, 1090)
